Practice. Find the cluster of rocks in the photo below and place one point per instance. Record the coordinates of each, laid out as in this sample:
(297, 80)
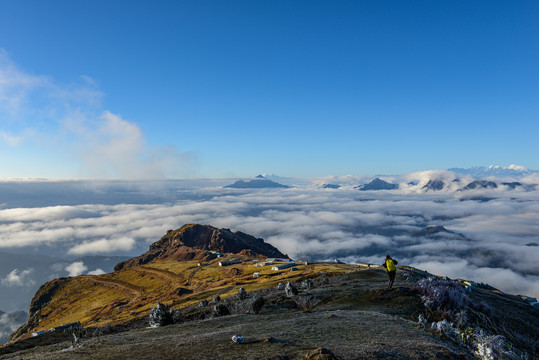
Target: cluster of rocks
(243, 302)
(290, 290)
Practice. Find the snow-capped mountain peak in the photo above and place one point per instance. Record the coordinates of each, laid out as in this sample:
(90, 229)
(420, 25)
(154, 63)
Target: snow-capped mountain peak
(494, 170)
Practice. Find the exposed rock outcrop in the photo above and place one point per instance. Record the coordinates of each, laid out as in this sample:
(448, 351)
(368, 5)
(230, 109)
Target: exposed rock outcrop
(193, 241)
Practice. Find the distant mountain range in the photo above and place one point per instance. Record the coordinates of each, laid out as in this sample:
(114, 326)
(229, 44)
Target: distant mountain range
(458, 179)
(435, 183)
(494, 170)
(439, 184)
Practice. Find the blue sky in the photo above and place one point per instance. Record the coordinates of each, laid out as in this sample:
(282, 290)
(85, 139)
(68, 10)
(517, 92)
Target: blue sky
(236, 88)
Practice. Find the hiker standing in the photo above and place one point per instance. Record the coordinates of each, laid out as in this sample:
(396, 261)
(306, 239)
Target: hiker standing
(389, 264)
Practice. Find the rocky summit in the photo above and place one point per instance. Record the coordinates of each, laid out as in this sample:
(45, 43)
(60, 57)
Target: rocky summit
(202, 242)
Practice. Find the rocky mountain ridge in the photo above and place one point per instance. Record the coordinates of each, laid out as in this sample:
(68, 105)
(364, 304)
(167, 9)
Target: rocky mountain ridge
(494, 170)
(443, 184)
(202, 242)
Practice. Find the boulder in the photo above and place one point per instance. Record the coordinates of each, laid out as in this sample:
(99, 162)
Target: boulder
(221, 310)
(307, 284)
(257, 303)
(160, 315)
(242, 294)
(290, 290)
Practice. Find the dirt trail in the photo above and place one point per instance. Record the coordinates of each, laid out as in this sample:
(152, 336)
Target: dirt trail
(135, 291)
(191, 275)
(169, 275)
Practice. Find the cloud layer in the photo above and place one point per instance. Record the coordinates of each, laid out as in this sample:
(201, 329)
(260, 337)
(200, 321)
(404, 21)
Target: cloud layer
(499, 246)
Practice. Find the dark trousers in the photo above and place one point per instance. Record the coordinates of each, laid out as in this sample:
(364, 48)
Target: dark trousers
(391, 278)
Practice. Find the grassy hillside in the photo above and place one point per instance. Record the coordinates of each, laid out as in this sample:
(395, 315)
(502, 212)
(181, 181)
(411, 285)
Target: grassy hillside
(112, 298)
(342, 308)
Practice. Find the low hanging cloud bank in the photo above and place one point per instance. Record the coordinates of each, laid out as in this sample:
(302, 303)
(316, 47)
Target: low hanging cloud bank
(493, 239)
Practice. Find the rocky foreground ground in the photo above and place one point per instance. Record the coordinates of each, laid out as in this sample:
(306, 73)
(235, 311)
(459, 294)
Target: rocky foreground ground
(350, 315)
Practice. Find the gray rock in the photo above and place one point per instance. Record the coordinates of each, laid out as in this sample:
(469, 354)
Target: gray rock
(242, 294)
(160, 315)
(257, 303)
(176, 316)
(221, 310)
(290, 290)
(307, 284)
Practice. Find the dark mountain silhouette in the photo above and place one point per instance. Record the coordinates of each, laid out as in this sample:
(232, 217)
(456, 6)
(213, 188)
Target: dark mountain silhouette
(258, 183)
(330, 186)
(480, 184)
(435, 231)
(512, 185)
(377, 184)
(435, 185)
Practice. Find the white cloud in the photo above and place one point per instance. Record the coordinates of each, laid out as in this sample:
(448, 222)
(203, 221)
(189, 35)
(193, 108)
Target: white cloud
(76, 268)
(15, 85)
(11, 140)
(68, 119)
(115, 147)
(103, 246)
(97, 271)
(18, 278)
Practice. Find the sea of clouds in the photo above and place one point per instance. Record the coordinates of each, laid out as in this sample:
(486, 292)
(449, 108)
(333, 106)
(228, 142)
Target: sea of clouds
(500, 227)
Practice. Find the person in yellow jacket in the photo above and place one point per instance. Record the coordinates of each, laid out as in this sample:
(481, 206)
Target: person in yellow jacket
(389, 264)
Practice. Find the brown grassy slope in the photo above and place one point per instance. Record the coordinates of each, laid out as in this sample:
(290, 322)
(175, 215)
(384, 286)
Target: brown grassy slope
(111, 298)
